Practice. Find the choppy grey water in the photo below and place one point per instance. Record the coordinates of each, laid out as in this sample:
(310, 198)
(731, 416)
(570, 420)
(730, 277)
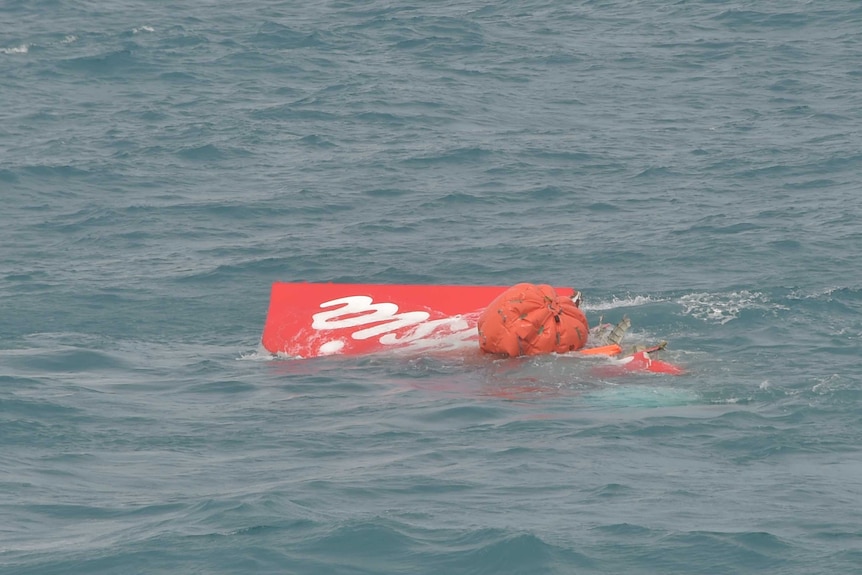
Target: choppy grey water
(693, 165)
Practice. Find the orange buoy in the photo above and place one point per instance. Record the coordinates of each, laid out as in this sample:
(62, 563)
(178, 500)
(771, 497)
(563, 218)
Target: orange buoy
(530, 319)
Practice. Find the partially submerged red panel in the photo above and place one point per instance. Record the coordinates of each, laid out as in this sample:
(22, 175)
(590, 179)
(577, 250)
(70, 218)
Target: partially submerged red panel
(639, 361)
(314, 319)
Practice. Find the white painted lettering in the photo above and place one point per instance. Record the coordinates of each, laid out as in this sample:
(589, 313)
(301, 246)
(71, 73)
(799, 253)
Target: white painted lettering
(360, 310)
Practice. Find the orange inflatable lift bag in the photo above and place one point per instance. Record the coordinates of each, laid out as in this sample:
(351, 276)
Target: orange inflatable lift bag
(530, 319)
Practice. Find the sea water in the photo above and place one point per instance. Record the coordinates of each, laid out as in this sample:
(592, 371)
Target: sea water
(694, 166)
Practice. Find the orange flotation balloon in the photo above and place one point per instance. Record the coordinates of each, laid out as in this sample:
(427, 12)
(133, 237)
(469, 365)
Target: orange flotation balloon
(529, 319)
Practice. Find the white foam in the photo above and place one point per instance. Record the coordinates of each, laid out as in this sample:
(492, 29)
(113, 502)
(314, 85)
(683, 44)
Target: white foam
(143, 29)
(724, 307)
(630, 301)
(21, 49)
(260, 354)
(825, 384)
(825, 292)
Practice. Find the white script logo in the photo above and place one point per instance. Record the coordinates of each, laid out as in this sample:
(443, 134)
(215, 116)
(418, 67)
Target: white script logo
(358, 311)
